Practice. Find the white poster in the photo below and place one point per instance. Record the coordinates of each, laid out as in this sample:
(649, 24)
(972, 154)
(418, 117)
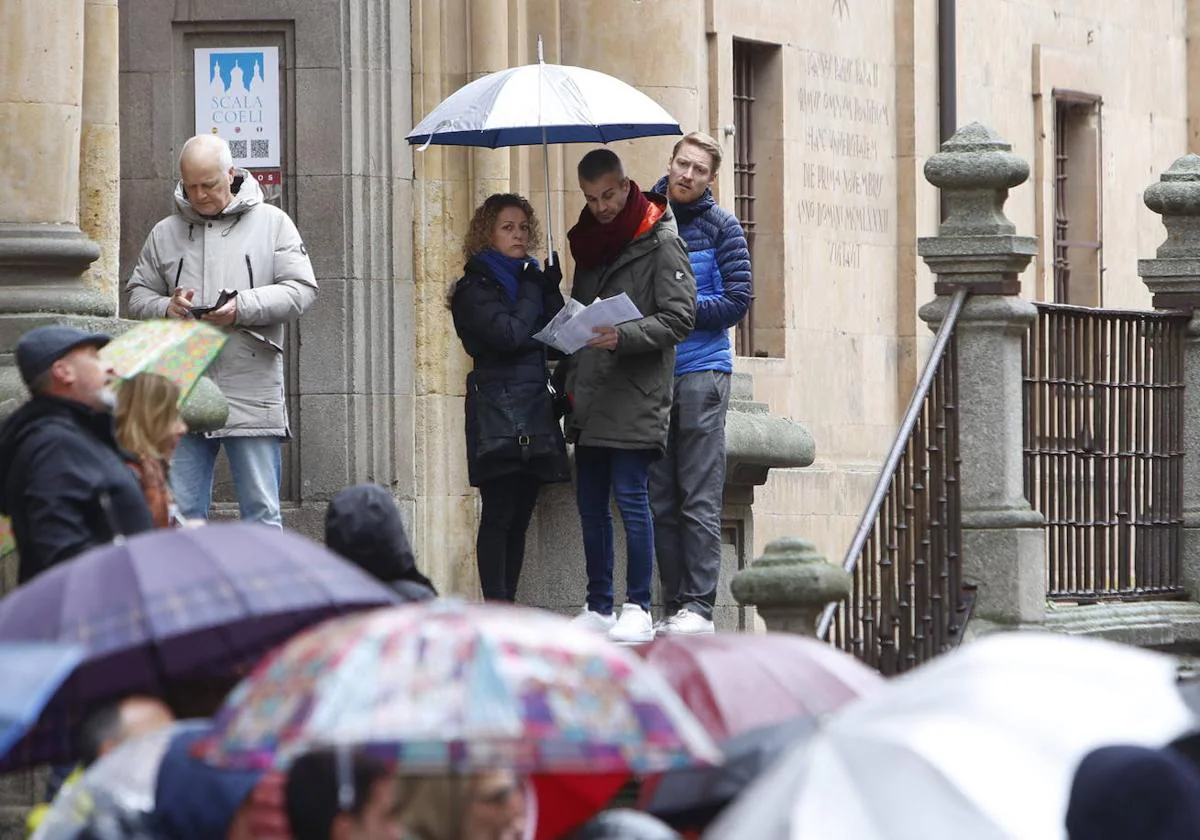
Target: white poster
(237, 97)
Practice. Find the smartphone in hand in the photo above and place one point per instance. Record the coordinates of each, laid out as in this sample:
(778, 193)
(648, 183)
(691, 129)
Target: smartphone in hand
(222, 299)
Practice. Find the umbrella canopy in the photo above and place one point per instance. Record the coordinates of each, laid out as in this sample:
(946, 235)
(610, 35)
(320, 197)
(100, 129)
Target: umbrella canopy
(981, 743)
(543, 103)
(536, 103)
(173, 605)
(32, 672)
(181, 350)
(450, 687)
(693, 797)
(734, 682)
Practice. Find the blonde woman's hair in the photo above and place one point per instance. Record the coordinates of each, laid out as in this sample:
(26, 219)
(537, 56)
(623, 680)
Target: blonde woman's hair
(479, 234)
(147, 406)
(434, 807)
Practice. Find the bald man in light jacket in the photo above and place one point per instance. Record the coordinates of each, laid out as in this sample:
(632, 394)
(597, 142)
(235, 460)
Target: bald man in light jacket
(224, 237)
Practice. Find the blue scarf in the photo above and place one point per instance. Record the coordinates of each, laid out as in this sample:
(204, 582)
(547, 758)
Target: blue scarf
(506, 270)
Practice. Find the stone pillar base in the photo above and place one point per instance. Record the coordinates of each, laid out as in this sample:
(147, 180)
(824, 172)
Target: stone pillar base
(1008, 567)
(40, 269)
(1189, 551)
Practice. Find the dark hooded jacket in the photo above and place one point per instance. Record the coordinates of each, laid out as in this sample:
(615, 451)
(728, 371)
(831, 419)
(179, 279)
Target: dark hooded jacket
(362, 524)
(511, 365)
(65, 483)
(622, 398)
(1125, 792)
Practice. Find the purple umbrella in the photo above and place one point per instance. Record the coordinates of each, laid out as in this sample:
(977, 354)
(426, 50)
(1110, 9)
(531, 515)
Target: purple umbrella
(174, 605)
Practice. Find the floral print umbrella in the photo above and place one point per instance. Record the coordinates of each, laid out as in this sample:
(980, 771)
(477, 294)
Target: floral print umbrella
(181, 350)
(446, 686)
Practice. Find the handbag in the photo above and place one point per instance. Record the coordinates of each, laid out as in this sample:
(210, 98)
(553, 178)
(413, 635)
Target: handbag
(512, 420)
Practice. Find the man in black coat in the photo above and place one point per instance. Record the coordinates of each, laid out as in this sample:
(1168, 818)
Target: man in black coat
(64, 480)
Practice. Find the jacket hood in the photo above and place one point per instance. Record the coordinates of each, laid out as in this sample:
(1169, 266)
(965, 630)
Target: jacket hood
(686, 211)
(1120, 791)
(31, 416)
(362, 524)
(246, 194)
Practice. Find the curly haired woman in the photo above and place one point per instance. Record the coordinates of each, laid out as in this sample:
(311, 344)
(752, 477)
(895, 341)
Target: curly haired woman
(514, 441)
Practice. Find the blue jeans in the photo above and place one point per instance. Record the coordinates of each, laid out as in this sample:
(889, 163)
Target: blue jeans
(257, 466)
(599, 469)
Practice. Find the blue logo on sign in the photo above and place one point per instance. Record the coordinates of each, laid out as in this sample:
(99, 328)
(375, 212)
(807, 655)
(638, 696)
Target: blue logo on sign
(238, 72)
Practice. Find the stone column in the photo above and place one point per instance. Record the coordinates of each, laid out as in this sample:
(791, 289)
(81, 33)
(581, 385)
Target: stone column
(100, 146)
(977, 248)
(1173, 278)
(42, 250)
(489, 52)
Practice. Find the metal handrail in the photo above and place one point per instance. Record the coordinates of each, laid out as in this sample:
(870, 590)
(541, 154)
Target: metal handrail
(867, 523)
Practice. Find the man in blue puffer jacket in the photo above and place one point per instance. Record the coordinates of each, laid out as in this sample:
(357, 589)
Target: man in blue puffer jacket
(687, 484)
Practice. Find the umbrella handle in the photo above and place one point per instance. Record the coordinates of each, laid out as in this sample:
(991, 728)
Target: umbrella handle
(345, 778)
(105, 500)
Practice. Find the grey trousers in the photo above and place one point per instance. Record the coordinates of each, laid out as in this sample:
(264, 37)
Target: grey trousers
(686, 493)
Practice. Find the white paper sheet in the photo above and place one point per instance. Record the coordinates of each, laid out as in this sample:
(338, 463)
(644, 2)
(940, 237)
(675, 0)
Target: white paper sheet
(574, 326)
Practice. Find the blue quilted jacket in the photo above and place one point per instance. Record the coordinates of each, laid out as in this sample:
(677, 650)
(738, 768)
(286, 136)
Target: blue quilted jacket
(721, 262)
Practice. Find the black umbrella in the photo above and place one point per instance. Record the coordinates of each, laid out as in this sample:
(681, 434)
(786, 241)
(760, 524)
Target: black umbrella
(693, 797)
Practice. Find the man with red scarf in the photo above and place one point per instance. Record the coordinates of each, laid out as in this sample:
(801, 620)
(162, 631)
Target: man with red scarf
(621, 384)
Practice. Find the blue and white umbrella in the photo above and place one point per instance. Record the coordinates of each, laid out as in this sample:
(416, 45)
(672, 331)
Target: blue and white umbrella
(543, 103)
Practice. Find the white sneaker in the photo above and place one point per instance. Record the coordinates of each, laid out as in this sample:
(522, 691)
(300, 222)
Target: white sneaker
(688, 623)
(660, 626)
(633, 627)
(594, 622)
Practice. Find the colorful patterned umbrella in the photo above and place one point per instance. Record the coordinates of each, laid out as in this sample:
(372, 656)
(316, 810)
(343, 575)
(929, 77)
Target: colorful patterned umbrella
(180, 350)
(446, 686)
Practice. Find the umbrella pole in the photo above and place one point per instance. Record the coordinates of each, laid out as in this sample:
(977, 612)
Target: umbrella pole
(545, 160)
(549, 217)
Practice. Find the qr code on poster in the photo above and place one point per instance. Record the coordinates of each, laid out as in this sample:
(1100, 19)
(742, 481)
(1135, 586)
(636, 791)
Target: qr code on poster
(238, 149)
(260, 149)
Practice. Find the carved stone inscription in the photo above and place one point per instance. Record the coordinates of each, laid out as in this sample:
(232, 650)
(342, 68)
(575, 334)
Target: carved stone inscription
(848, 160)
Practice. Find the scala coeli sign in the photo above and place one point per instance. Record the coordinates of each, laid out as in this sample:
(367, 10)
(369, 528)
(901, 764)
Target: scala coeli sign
(237, 97)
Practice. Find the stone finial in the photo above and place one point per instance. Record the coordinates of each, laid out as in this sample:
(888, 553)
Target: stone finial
(205, 409)
(790, 586)
(975, 170)
(976, 245)
(1173, 275)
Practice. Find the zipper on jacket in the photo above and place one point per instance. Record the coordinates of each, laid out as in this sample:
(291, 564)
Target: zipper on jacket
(178, 272)
(250, 271)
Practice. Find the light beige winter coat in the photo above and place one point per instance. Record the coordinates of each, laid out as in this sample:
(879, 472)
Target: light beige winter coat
(254, 248)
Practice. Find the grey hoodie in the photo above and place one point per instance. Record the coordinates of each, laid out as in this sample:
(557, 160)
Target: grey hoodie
(251, 247)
